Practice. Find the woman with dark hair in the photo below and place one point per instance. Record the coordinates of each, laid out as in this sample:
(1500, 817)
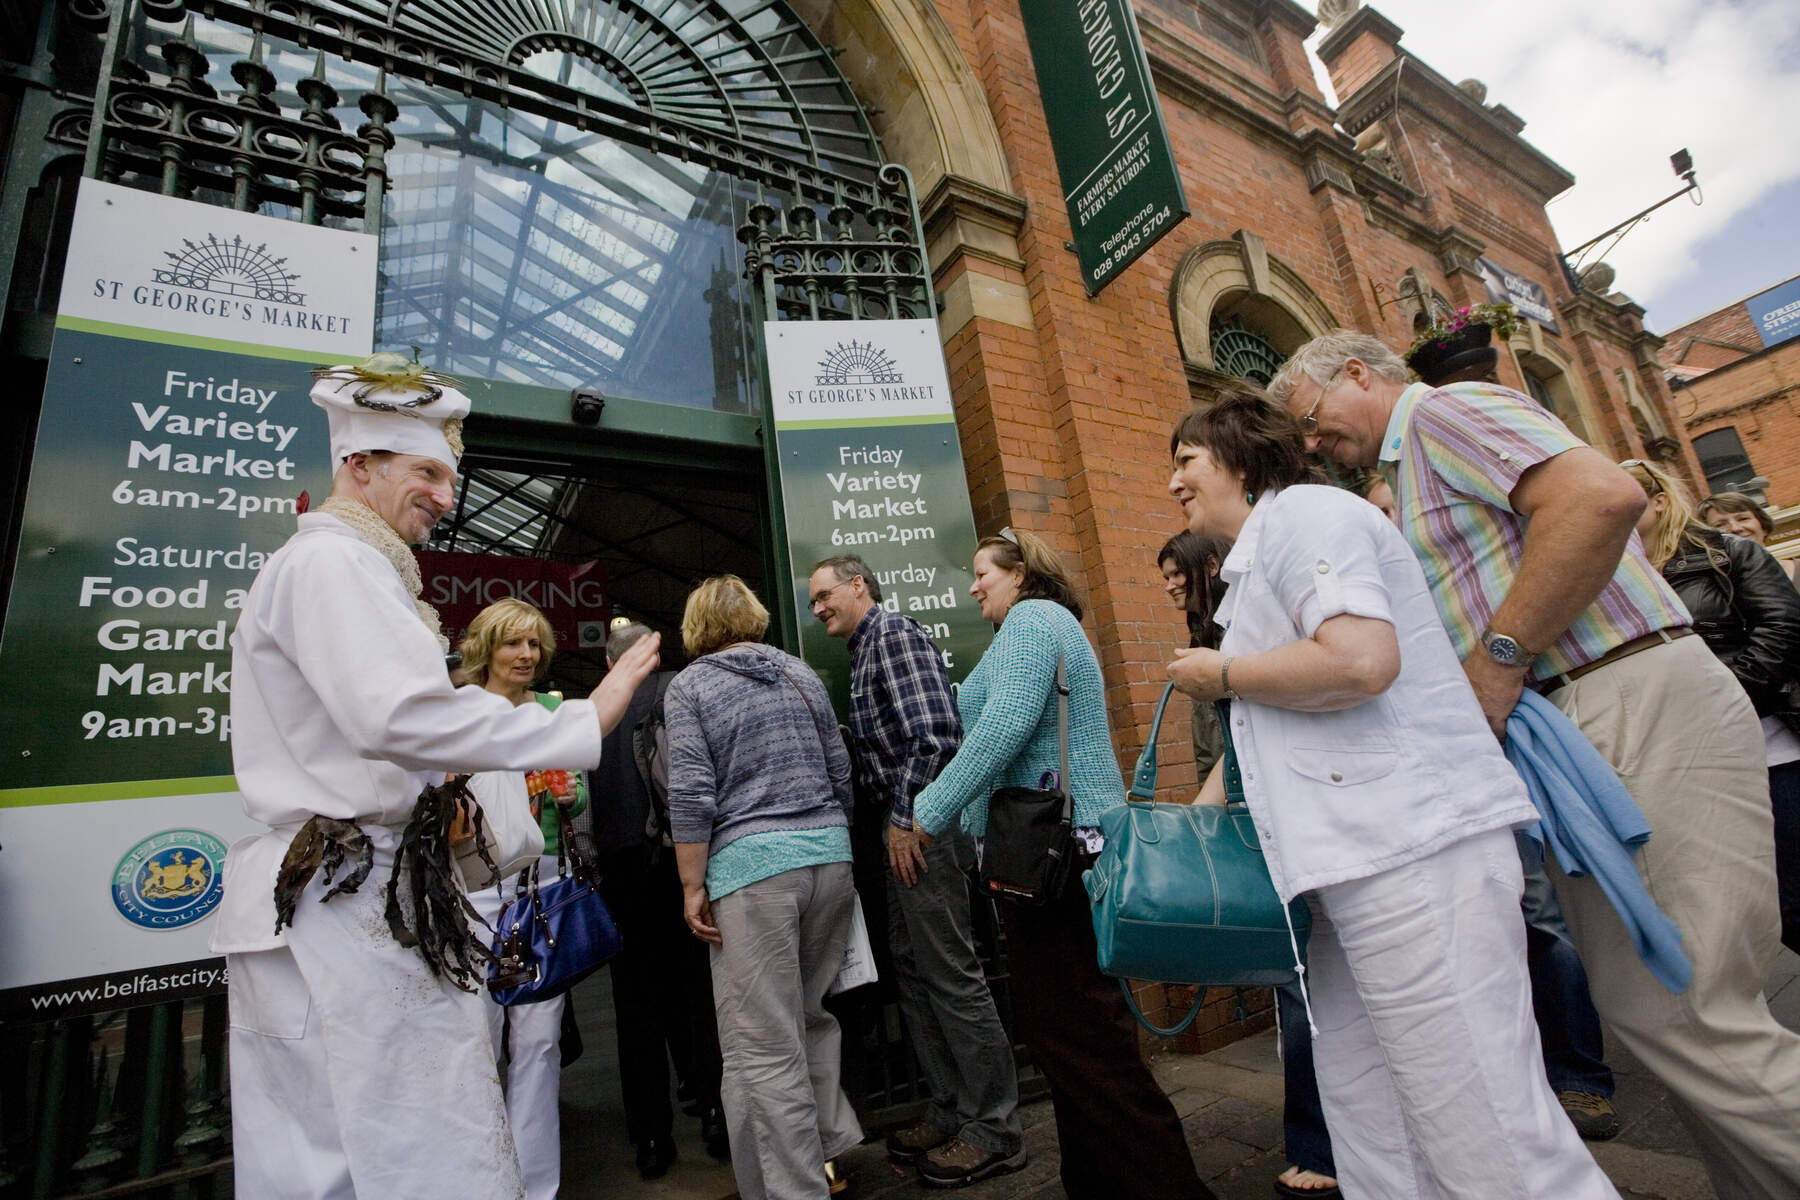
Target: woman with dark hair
(1734, 512)
(1190, 569)
(1748, 613)
(1310, 1171)
(1382, 798)
(1120, 1136)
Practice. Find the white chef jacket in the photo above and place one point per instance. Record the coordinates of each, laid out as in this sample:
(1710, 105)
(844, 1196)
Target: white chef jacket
(1343, 795)
(341, 706)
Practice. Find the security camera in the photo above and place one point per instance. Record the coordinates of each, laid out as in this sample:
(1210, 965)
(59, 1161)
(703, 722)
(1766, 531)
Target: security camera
(586, 404)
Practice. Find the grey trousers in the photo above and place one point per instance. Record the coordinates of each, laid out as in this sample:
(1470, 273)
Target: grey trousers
(956, 1032)
(1684, 739)
(783, 943)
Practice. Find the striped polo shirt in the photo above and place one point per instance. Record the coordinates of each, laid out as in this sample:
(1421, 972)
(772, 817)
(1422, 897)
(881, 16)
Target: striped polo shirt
(1452, 456)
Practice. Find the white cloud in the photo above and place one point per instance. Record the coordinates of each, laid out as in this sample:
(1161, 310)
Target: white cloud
(1610, 88)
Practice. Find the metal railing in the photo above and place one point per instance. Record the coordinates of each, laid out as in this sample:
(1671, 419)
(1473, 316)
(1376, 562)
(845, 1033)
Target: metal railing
(130, 1102)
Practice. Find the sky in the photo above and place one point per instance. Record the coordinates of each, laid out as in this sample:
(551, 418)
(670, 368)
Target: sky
(1609, 89)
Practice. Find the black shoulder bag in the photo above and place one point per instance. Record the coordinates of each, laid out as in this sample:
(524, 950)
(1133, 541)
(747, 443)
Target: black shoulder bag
(1030, 841)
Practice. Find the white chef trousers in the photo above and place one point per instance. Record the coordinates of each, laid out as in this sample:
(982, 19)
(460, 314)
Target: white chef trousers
(355, 1072)
(1427, 1055)
(533, 1050)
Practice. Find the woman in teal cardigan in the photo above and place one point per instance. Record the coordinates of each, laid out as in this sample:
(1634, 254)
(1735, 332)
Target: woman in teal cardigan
(1119, 1135)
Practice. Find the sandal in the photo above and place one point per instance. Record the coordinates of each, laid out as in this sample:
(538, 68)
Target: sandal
(1291, 1191)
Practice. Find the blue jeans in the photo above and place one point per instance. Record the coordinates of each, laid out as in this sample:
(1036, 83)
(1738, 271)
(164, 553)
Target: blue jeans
(1303, 1116)
(1568, 1026)
(956, 1033)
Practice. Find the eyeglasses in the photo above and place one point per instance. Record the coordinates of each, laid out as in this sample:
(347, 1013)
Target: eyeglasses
(824, 597)
(1309, 424)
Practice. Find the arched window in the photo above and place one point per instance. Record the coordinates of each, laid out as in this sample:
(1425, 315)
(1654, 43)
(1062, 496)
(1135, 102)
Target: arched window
(1239, 312)
(1243, 352)
(584, 232)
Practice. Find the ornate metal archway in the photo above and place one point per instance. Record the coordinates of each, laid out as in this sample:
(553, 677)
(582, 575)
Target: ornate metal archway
(343, 112)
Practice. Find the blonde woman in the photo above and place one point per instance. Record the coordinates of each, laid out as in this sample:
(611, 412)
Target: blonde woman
(506, 649)
(759, 807)
(1748, 613)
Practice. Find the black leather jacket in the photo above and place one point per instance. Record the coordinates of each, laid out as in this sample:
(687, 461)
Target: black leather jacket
(1749, 614)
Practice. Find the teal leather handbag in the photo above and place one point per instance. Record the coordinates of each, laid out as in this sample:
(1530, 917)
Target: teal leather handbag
(1181, 894)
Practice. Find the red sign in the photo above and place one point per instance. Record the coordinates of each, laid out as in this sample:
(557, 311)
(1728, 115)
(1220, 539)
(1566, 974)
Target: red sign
(572, 595)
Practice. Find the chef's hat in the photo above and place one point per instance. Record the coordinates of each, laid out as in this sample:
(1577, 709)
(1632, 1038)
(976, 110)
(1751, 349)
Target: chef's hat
(408, 418)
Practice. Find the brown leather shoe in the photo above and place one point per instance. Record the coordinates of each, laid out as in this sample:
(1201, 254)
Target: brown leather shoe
(957, 1164)
(909, 1145)
(1594, 1117)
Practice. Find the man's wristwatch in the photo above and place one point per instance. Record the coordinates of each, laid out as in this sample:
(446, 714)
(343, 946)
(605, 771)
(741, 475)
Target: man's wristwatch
(1505, 650)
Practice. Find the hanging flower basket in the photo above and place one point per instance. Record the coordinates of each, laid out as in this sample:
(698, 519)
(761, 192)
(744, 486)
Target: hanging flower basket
(1462, 343)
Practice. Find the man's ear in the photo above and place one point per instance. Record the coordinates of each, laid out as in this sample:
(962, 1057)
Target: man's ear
(359, 466)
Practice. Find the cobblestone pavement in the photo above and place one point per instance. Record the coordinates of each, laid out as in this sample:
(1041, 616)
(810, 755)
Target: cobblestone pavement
(1230, 1105)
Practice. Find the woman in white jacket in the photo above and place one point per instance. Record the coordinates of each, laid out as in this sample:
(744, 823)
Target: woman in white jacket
(1381, 797)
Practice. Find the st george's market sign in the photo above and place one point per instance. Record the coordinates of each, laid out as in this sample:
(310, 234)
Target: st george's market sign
(1106, 127)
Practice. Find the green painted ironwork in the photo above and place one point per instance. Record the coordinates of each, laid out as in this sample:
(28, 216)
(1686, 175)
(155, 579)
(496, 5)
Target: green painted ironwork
(1240, 351)
(135, 1101)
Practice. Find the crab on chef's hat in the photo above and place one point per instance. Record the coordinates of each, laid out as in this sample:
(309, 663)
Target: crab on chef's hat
(389, 402)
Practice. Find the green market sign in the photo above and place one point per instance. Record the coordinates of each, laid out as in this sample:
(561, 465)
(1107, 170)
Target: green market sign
(871, 466)
(176, 441)
(1106, 127)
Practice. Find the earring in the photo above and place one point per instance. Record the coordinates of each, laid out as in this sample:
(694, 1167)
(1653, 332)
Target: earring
(1250, 499)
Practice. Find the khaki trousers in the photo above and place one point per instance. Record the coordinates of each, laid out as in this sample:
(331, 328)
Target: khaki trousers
(783, 945)
(1683, 737)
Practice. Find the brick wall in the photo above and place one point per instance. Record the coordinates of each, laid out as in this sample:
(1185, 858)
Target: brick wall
(1759, 396)
(1065, 424)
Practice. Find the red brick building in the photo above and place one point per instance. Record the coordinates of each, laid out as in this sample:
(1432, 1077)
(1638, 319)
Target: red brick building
(1739, 403)
(1304, 218)
(563, 196)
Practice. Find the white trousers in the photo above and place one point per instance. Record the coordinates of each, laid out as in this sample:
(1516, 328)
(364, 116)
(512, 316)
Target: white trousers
(1427, 1055)
(533, 1051)
(355, 1072)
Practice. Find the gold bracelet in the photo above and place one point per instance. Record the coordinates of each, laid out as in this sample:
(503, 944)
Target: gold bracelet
(1225, 678)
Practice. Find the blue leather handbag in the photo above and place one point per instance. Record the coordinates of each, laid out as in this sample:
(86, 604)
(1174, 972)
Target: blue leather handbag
(1182, 894)
(552, 936)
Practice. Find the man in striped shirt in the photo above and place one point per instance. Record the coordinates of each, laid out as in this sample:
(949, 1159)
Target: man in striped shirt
(904, 728)
(1525, 534)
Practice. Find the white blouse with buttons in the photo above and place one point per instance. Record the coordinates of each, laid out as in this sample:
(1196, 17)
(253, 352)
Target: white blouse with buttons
(1347, 794)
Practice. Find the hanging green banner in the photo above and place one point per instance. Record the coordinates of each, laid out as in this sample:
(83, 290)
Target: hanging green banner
(871, 466)
(1118, 173)
(176, 445)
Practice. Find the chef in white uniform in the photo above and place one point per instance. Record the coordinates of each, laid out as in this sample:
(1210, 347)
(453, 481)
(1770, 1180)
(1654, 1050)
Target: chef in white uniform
(355, 1070)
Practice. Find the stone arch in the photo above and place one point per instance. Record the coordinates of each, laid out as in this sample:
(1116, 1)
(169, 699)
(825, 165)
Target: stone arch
(902, 59)
(1238, 277)
(932, 116)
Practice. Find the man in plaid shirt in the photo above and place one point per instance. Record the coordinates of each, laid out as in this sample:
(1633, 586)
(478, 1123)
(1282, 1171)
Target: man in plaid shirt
(903, 729)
